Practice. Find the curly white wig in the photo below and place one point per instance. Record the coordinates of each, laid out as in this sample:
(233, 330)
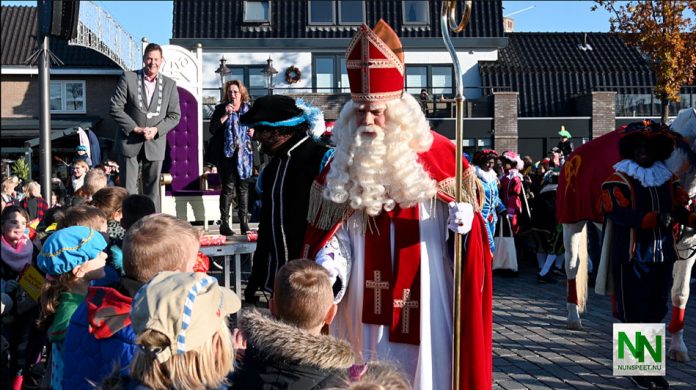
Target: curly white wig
(376, 173)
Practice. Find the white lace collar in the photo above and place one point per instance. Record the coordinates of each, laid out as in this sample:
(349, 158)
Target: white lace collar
(653, 176)
(487, 176)
(512, 173)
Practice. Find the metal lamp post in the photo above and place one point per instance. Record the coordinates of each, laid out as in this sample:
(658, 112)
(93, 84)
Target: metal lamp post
(269, 71)
(223, 70)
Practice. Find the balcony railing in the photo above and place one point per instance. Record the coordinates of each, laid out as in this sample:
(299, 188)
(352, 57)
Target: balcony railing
(640, 101)
(437, 106)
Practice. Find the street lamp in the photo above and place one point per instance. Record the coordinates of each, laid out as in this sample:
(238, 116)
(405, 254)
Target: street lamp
(269, 71)
(224, 71)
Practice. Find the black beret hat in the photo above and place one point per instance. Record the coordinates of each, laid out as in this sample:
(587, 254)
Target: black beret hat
(273, 111)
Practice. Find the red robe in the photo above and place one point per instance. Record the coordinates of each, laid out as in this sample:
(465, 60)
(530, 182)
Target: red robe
(476, 310)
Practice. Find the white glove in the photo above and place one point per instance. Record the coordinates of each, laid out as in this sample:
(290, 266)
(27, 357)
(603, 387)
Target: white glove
(326, 260)
(461, 216)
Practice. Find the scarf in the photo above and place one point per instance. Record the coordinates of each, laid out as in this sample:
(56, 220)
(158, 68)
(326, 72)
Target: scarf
(17, 258)
(653, 176)
(237, 140)
(77, 182)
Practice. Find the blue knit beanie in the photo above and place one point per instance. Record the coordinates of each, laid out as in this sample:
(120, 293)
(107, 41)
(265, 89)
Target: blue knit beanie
(69, 247)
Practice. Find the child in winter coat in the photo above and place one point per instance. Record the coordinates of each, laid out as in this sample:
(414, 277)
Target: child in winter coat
(285, 349)
(17, 324)
(100, 335)
(35, 205)
(71, 257)
(184, 342)
(110, 201)
(17, 248)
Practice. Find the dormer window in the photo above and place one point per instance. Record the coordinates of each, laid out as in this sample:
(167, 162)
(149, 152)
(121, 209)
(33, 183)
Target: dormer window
(416, 12)
(257, 11)
(332, 12)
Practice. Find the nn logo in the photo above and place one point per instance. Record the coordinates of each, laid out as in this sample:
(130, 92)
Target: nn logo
(639, 349)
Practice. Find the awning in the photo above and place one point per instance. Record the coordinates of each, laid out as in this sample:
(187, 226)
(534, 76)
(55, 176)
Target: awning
(25, 132)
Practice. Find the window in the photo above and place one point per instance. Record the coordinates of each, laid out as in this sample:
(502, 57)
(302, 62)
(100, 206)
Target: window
(67, 96)
(256, 83)
(437, 79)
(251, 75)
(257, 11)
(323, 12)
(351, 12)
(416, 12)
(329, 74)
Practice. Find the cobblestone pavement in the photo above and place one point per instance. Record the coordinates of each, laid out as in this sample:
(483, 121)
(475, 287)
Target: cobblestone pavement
(532, 349)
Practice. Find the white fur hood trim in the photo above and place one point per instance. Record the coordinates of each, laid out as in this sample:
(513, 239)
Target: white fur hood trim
(277, 340)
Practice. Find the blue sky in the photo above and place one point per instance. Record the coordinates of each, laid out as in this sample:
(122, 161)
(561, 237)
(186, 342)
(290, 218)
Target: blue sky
(154, 18)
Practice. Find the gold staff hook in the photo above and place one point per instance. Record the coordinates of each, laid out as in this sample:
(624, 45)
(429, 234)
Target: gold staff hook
(449, 8)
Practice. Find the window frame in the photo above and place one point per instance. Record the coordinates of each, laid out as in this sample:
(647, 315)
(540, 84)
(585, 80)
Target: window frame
(338, 70)
(338, 12)
(427, 14)
(333, 13)
(244, 11)
(429, 78)
(63, 97)
(246, 77)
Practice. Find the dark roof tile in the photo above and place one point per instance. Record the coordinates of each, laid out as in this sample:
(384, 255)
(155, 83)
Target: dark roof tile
(549, 69)
(289, 19)
(19, 41)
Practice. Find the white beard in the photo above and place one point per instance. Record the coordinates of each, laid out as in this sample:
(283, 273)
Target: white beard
(377, 172)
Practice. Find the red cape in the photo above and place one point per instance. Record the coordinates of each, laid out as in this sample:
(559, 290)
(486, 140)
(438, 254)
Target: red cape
(477, 283)
(580, 180)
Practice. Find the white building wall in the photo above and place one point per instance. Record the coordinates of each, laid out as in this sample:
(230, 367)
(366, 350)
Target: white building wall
(281, 61)
(303, 60)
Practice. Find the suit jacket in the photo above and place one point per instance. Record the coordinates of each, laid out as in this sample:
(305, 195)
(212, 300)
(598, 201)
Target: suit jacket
(126, 112)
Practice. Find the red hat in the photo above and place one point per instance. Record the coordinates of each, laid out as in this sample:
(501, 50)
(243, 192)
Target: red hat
(375, 62)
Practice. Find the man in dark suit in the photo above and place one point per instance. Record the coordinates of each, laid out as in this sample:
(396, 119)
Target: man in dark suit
(146, 107)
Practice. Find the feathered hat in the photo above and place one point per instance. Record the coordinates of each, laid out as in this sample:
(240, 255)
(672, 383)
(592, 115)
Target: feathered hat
(283, 111)
(659, 136)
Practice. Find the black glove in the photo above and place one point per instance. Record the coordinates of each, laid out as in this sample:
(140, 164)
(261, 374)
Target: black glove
(664, 220)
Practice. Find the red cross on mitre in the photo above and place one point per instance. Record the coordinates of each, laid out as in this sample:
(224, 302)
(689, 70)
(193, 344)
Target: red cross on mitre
(375, 64)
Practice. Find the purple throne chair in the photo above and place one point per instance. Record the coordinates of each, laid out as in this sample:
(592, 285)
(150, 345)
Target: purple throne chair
(184, 186)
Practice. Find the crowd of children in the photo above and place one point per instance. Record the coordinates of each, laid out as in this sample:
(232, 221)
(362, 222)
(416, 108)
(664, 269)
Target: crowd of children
(103, 294)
